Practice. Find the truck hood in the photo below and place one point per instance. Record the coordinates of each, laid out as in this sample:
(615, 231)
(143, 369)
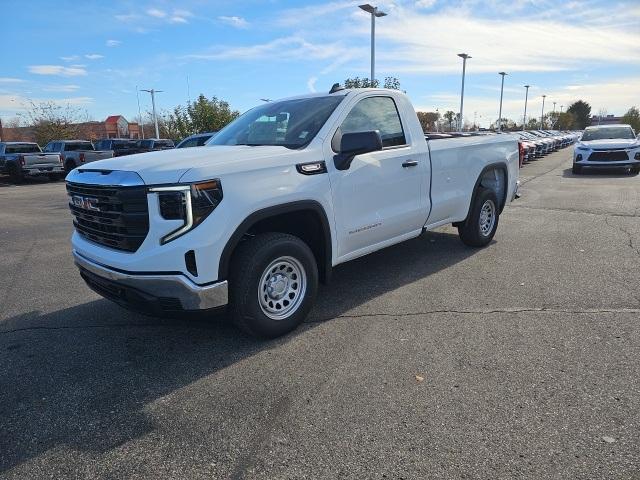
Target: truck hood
(610, 143)
(169, 166)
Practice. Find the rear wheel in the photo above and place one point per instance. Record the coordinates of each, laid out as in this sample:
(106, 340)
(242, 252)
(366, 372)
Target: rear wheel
(273, 284)
(69, 165)
(15, 173)
(576, 169)
(481, 225)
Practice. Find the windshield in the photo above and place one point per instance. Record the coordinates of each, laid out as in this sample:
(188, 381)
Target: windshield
(70, 147)
(289, 123)
(624, 133)
(22, 148)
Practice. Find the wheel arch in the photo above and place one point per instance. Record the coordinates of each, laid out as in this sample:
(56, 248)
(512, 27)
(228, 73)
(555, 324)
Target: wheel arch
(306, 219)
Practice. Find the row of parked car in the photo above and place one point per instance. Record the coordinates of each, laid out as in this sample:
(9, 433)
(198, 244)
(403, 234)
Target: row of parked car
(59, 157)
(534, 144)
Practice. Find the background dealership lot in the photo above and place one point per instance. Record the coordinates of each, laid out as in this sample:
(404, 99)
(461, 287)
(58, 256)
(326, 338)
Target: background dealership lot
(528, 351)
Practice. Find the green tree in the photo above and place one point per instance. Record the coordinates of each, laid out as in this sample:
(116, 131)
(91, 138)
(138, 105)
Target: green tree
(449, 116)
(357, 82)
(200, 116)
(632, 117)
(428, 120)
(566, 121)
(582, 113)
(532, 123)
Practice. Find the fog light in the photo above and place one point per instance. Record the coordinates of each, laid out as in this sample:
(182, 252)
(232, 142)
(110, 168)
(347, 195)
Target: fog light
(637, 157)
(578, 158)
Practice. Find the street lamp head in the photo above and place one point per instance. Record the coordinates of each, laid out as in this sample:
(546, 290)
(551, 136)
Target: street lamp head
(502, 73)
(464, 55)
(527, 86)
(372, 10)
(544, 96)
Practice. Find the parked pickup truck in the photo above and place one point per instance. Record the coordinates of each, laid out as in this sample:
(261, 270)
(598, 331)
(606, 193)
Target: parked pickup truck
(607, 146)
(120, 146)
(261, 214)
(20, 159)
(155, 144)
(76, 152)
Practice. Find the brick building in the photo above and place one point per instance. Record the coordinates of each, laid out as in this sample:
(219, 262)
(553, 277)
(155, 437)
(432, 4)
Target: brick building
(115, 126)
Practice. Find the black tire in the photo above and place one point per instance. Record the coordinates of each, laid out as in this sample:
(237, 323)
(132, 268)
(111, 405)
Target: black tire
(576, 169)
(55, 177)
(248, 276)
(15, 173)
(69, 165)
(470, 231)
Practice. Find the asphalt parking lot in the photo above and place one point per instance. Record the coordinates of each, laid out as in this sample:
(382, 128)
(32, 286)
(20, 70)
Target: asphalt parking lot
(426, 360)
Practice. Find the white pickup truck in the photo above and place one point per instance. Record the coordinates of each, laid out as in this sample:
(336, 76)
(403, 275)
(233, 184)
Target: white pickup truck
(261, 214)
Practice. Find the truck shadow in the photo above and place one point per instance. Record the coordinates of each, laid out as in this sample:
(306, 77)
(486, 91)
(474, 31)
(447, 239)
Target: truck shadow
(82, 378)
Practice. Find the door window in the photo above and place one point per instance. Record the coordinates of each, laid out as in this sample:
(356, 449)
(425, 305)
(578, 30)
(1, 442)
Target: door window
(376, 113)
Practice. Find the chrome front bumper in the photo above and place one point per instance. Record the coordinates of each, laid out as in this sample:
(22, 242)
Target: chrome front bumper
(156, 290)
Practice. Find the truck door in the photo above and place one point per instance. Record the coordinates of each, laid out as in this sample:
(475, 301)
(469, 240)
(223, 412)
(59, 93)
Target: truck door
(378, 199)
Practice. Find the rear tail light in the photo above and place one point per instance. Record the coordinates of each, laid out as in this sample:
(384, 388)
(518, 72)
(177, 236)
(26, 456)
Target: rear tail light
(21, 160)
(521, 152)
(82, 158)
(60, 159)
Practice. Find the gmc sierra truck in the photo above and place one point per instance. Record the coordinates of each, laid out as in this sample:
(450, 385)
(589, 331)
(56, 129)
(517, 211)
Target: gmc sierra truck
(258, 216)
(607, 146)
(76, 152)
(22, 159)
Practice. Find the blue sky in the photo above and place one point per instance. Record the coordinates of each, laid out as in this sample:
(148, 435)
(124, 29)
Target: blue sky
(93, 54)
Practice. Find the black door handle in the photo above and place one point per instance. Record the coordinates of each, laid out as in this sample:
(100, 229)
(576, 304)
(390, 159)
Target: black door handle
(410, 163)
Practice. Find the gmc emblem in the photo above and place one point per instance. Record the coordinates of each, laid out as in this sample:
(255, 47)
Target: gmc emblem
(86, 203)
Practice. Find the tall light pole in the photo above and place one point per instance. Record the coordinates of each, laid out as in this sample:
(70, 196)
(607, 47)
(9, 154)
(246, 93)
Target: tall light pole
(502, 74)
(526, 97)
(437, 120)
(555, 120)
(542, 115)
(464, 58)
(374, 13)
(153, 106)
(140, 113)
(561, 107)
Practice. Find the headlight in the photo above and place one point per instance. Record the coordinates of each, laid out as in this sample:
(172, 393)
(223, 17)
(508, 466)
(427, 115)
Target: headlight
(191, 203)
(581, 147)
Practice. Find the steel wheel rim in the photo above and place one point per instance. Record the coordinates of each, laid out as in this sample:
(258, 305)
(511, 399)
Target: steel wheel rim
(282, 287)
(487, 217)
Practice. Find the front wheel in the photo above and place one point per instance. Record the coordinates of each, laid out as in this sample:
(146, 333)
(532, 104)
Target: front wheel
(576, 169)
(273, 284)
(15, 173)
(481, 225)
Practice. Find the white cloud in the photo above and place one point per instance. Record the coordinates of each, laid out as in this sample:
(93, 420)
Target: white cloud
(311, 84)
(10, 80)
(113, 43)
(70, 58)
(425, 3)
(72, 71)
(234, 21)
(9, 104)
(287, 48)
(177, 19)
(156, 12)
(614, 96)
(93, 56)
(127, 17)
(61, 88)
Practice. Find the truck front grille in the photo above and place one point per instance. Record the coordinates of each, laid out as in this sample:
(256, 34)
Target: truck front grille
(609, 156)
(115, 217)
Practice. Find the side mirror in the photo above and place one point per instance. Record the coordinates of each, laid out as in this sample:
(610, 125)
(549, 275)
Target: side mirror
(356, 143)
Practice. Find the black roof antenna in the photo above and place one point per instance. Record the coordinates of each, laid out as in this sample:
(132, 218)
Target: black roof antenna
(336, 88)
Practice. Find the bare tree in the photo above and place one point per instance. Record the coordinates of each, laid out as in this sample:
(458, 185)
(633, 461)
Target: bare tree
(52, 121)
